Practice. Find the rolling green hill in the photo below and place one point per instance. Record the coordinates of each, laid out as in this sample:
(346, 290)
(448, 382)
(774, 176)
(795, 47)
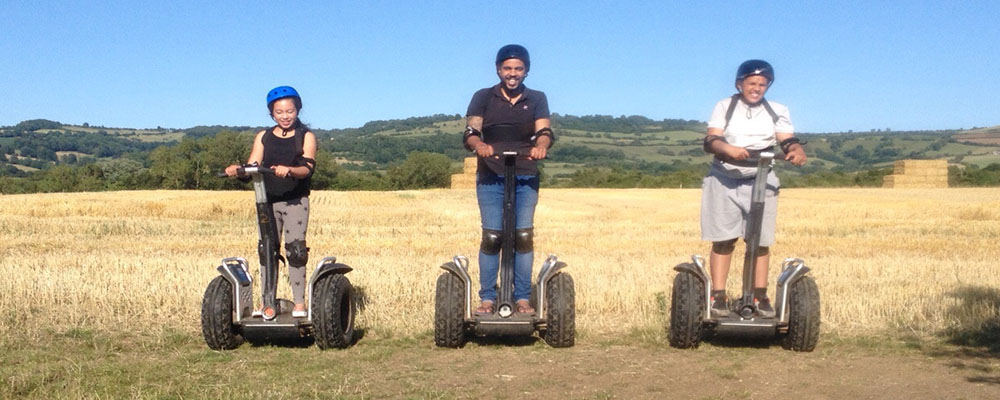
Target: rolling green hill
(590, 150)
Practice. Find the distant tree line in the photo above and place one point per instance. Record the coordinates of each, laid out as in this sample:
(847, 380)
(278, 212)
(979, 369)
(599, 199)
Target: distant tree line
(390, 125)
(629, 124)
(100, 144)
(201, 131)
(358, 159)
(384, 150)
(196, 163)
(618, 177)
(974, 176)
(31, 125)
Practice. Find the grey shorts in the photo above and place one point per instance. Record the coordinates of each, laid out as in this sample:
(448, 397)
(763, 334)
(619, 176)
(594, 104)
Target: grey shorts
(725, 207)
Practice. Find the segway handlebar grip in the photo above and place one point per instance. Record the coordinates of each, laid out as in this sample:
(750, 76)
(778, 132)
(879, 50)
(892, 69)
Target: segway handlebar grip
(255, 170)
(247, 170)
(514, 154)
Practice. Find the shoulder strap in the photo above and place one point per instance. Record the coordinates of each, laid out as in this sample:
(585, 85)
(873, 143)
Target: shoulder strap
(732, 107)
(767, 106)
(300, 133)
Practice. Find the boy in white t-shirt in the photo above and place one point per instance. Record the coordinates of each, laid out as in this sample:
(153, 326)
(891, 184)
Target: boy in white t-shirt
(742, 126)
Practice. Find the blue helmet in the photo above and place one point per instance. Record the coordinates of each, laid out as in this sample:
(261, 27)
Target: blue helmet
(282, 92)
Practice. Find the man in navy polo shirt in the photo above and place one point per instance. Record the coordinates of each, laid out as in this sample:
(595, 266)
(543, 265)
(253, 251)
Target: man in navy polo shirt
(507, 117)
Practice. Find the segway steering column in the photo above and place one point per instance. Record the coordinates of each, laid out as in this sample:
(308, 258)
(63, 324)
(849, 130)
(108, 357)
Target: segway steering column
(506, 300)
(747, 308)
(267, 244)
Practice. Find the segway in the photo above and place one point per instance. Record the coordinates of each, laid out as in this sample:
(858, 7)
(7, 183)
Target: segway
(552, 294)
(226, 316)
(797, 309)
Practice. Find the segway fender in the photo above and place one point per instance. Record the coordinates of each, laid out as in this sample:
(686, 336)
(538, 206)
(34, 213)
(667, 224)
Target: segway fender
(697, 268)
(459, 266)
(792, 269)
(328, 265)
(236, 270)
(550, 268)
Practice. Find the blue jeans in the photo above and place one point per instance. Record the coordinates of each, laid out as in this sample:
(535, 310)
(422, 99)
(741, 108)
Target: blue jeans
(489, 191)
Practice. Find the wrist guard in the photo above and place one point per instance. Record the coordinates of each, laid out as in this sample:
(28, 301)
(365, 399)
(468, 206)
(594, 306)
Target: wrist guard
(470, 131)
(543, 132)
(709, 139)
(309, 163)
(786, 145)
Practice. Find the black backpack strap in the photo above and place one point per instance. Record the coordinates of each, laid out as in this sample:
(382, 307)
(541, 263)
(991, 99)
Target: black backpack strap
(767, 106)
(729, 112)
(732, 107)
(300, 132)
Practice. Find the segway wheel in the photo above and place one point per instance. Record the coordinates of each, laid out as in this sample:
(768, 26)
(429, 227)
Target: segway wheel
(560, 310)
(803, 316)
(449, 311)
(687, 310)
(333, 312)
(217, 316)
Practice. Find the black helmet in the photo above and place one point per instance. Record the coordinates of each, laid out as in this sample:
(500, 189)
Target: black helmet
(755, 67)
(514, 51)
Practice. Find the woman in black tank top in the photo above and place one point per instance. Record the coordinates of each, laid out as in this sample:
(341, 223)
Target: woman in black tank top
(288, 148)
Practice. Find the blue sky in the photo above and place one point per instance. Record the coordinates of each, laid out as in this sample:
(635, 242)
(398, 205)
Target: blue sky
(840, 65)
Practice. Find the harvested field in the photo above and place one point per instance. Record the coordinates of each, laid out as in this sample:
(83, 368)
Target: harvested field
(885, 261)
(103, 291)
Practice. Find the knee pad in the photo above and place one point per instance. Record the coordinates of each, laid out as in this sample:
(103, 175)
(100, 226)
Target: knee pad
(297, 253)
(524, 240)
(763, 251)
(725, 247)
(491, 242)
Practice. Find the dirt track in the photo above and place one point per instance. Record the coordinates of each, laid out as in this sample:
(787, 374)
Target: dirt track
(726, 371)
(85, 365)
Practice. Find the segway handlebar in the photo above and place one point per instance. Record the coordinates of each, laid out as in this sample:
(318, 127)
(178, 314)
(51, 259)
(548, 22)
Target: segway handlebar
(756, 156)
(764, 156)
(515, 154)
(248, 170)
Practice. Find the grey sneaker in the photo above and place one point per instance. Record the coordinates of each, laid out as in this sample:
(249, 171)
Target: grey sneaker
(764, 309)
(720, 304)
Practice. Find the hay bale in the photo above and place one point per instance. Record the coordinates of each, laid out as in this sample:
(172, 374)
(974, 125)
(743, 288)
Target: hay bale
(909, 167)
(463, 181)
(914, 179)
(467, 179)
(469, 165)
(918, 174)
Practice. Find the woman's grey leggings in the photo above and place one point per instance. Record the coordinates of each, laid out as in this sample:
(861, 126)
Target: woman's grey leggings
(292, 218)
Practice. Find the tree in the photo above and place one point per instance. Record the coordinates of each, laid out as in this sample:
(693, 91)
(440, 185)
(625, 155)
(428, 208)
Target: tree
(217, 152)
(421, 170)
(176, 167)
(121, 174)
(327, 170)
(858, 153)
